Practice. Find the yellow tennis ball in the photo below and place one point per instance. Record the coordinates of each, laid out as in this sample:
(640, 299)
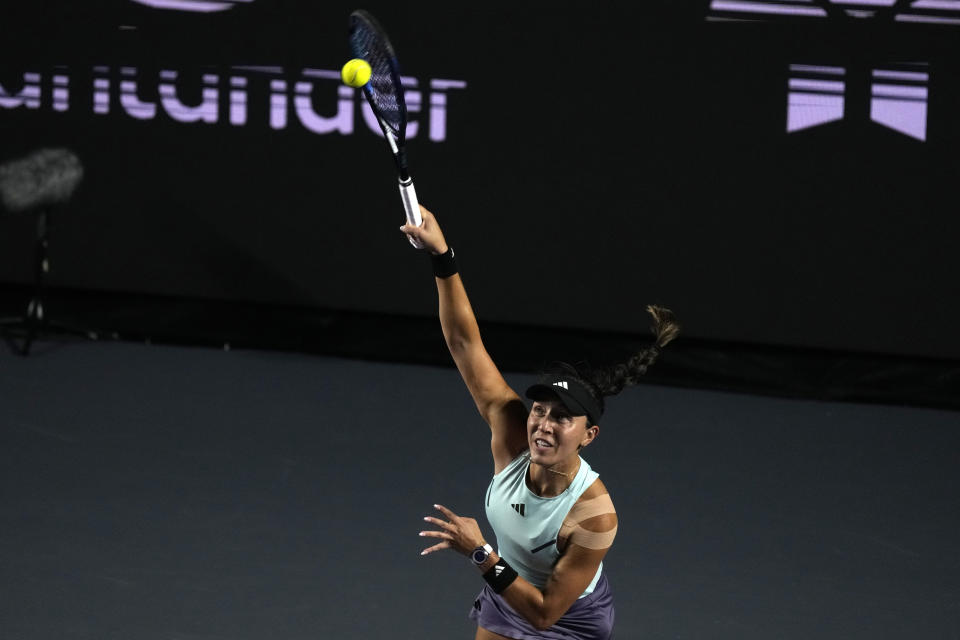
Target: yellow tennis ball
(355, 73)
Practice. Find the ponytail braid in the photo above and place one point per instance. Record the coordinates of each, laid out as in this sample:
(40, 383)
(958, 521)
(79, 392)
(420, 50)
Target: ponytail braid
(609, 381)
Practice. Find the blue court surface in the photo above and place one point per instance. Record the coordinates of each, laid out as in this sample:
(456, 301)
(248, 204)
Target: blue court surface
(165, 492)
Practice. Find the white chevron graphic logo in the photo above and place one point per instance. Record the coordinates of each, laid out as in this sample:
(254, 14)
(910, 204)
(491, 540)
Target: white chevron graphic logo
(198, 6)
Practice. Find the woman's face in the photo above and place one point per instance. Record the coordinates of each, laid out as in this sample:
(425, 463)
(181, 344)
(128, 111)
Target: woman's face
(554, 434)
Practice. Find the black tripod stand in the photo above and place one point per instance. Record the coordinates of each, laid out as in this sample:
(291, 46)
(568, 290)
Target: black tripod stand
(21, 332)
(38, 183)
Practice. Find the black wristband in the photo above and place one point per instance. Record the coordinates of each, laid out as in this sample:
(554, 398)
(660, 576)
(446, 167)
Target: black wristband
(444, 264)
(500, 576)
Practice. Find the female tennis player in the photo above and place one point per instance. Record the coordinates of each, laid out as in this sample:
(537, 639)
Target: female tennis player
(553, 518)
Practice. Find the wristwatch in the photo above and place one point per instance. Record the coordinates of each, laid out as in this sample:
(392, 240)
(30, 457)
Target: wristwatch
(479, 555)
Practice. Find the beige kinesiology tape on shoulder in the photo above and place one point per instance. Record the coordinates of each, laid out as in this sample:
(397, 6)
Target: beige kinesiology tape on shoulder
(592, 539)
(573, 531)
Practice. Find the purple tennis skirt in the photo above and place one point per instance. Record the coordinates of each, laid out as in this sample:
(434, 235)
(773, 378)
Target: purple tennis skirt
(589, 618)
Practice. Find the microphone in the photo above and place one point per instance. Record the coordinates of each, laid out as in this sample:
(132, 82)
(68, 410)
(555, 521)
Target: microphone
(43, 178)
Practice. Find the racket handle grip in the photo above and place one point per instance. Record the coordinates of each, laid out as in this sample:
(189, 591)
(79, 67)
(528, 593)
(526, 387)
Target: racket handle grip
(411, 207)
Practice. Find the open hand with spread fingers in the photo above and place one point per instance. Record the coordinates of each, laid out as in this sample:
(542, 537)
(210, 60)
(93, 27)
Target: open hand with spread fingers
(456, 532)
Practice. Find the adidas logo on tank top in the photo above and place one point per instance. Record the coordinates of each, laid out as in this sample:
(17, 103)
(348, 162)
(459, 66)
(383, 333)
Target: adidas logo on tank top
(527, 525)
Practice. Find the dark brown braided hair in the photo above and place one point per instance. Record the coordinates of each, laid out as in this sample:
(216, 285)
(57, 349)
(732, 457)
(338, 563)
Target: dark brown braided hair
(611, 380)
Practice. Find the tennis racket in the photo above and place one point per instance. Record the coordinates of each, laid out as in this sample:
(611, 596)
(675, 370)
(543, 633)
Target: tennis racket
(384, 94)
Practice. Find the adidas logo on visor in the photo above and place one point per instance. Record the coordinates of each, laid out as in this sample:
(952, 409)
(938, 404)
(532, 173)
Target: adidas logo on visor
(562, 384)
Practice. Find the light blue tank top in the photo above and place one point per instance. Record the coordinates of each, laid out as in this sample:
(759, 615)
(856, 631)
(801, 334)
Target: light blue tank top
(527, 525)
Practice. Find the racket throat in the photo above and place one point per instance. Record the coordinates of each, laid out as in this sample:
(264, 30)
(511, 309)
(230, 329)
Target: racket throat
(401, 159)
(391, 140)
(399, 154)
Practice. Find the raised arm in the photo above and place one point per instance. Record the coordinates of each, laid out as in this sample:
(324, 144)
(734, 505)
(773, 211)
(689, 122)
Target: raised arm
(498, 404)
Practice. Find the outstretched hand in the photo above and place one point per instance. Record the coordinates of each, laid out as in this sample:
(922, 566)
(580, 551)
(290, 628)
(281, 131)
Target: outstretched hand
(427, 234)
(460, 534)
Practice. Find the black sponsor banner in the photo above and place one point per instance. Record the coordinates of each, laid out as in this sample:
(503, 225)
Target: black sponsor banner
(783, 181)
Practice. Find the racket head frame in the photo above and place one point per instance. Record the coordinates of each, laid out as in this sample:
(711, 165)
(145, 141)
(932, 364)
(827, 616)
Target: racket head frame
(384, 92)
(368, 41)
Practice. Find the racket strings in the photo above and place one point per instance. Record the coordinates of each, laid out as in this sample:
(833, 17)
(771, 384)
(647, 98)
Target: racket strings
(369, 43)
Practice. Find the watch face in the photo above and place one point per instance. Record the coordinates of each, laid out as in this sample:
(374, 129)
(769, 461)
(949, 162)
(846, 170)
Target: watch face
(479, 556)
